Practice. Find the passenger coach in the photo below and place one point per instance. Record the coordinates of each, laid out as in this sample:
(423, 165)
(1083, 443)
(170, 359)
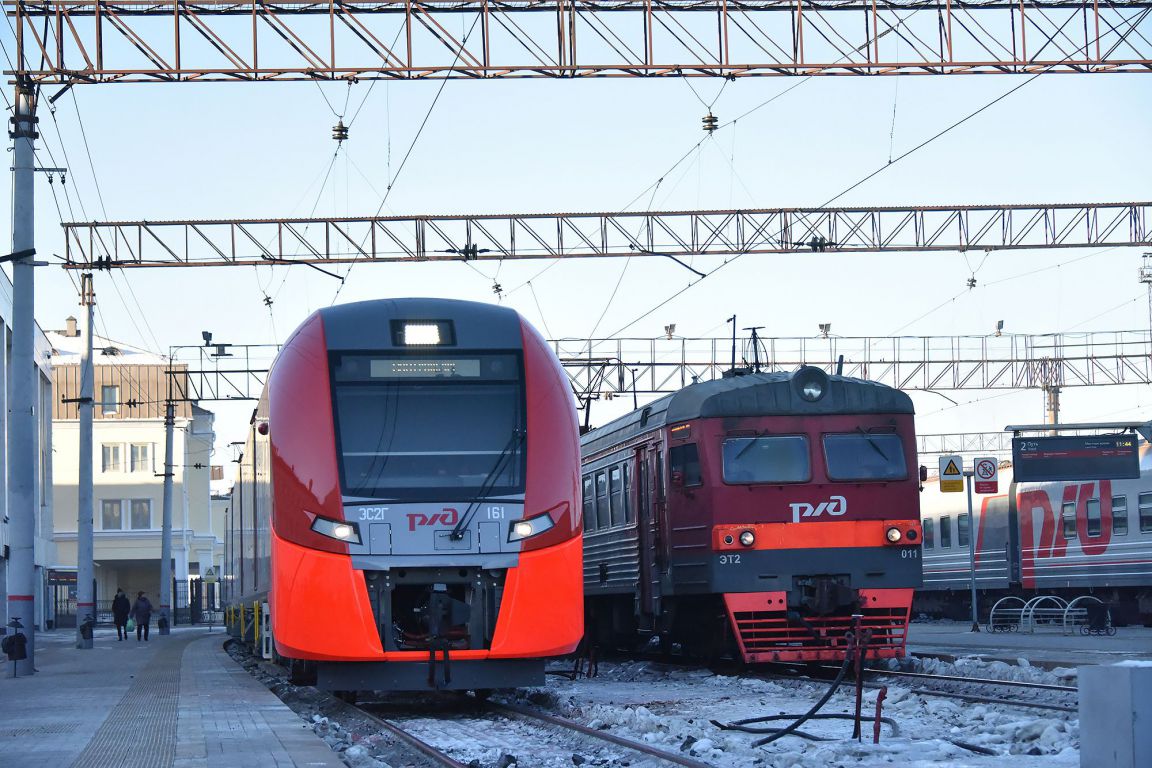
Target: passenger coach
(759, 513)
(407, 514)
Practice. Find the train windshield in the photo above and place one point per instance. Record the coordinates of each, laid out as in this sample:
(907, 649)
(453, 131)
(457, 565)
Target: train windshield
(865, 456)
(416, 428)
(775, 459)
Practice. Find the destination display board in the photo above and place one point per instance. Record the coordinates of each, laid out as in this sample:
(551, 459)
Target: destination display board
(1094, 457)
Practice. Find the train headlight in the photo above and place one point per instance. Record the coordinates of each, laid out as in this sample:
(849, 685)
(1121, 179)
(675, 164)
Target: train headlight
(810, 383)
(747, 538)
(893, 535)
(337, 529)
(533, 526)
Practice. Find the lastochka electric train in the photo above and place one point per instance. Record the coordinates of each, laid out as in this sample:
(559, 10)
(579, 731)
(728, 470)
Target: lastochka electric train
(407, 515)
(1066, 539)
(757, 513)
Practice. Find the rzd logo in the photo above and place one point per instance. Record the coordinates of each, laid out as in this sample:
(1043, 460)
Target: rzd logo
(448, 516)
(835, 506)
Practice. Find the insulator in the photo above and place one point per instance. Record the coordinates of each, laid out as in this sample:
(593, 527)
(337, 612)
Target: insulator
(340, 131)
(711, 122)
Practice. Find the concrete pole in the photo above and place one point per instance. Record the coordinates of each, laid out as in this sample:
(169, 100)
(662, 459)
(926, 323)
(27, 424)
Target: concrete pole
(968, 475)
(164, 624)
(22, 432)
(85, 566)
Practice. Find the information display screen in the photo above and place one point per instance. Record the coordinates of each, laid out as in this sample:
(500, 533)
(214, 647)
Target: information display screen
(1095, 457)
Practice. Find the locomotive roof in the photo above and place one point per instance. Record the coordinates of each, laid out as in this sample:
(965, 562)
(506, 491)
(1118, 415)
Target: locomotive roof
(365, 324)
(753, 394)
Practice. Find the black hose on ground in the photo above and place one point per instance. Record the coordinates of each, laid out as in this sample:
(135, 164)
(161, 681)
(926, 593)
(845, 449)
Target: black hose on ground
(743, 725)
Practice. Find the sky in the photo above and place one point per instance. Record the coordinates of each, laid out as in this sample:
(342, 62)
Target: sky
(186, 151)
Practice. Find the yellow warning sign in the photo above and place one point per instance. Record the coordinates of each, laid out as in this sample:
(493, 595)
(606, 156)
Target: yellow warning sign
(952, 474)
(209, 576)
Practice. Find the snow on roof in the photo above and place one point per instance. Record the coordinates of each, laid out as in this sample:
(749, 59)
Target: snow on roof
(66, 350)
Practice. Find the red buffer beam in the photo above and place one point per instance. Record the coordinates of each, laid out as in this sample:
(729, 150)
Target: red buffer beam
(126, 244)
(86, 41)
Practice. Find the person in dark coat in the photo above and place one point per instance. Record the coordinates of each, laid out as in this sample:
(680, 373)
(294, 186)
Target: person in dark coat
(120, 609)
(142, 613)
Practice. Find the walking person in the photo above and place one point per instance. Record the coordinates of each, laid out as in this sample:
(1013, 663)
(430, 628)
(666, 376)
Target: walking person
(142, 613)
(120, 610)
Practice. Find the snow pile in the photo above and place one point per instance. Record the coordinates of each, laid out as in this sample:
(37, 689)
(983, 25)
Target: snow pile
(354, 750)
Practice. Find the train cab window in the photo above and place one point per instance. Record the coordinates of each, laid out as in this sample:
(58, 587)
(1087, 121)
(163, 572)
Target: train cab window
(1093, 514)
(685, 464)
(1119, 515)
(616, 495)
(423, 427)
(1145, 508)
(1068, 519)
(929, 527)
(863, 456)
(603, 515)
(945, 532)
(962, 530)
(775, 459)
(589, 497)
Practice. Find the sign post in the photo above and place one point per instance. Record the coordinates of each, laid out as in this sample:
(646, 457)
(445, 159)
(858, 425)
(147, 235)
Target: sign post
(972, 549)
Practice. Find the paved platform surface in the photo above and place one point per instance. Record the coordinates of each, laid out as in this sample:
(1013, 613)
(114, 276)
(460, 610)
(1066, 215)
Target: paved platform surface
(1046, 647)
(177, 701)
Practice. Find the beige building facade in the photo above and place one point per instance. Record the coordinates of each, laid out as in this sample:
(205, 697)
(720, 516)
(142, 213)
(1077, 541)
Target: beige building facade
(128, 471)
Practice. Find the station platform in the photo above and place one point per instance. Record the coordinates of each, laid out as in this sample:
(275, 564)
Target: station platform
(1046, 647)
(176, 701)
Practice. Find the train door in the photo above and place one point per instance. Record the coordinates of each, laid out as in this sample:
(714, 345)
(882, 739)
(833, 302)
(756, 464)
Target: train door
(647, 517)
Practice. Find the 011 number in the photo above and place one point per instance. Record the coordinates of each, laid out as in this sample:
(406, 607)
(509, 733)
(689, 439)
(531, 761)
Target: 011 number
(910, 553)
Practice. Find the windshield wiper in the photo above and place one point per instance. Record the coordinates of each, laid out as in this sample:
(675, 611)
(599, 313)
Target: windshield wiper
(873, 443)
(514, 442)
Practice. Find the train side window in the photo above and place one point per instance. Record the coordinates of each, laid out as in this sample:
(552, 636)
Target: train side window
(685, 461)
(627, 493)
(589, 503)
(603, 514)
(660, 476)
(946, 532)
(962, 530)
(1068, 519)
(616, 495)
(929, 527)
(1093, 510)
(1145, 507)
(1119, 515)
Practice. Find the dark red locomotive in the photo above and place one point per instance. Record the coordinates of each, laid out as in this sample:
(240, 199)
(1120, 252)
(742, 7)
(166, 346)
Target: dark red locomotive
(407, 514)
(756, 513)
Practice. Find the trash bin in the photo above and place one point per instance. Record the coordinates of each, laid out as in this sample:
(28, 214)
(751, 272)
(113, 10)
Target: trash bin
(87, 627)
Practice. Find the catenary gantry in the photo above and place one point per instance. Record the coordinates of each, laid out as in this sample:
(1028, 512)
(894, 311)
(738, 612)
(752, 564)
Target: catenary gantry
(78, 41)
(728, 233)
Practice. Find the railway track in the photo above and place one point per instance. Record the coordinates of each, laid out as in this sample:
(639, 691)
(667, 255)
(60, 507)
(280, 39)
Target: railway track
(508, 734)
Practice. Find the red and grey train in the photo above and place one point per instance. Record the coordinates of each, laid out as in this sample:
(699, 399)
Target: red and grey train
(408, 505)
(1067, 538)
(755, 513)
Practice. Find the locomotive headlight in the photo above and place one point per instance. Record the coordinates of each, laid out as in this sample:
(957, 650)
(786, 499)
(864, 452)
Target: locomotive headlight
(421, 334)
(747, 538)
(812, 391)
(810, 383)
(893, 535)
(337, 529)
(533, 526)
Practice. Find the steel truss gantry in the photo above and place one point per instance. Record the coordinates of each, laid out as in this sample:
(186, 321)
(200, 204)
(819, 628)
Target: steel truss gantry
(121, 41)
(125, 244)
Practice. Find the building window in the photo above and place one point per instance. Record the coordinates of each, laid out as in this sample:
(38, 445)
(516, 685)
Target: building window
(111, 518)
(141, 514)
(139, 456)
(109, 399)
(945, 532)
(1145, 502)
(929, 527)
(962, 530)
(110, 457)
(1119, 515)
(1068, 516)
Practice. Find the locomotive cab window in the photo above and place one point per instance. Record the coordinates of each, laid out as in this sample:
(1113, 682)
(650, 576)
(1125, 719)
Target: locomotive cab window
(1119, 515)
(416, 427)
(863, 456)
(685, 465)
(775, 459)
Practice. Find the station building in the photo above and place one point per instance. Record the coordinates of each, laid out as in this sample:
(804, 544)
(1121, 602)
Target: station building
(44, 547)
(131, 387)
